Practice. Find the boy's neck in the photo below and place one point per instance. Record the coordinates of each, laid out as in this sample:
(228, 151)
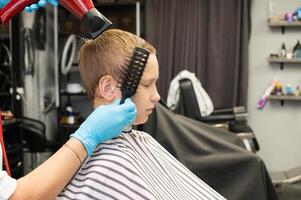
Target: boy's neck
(99, 101)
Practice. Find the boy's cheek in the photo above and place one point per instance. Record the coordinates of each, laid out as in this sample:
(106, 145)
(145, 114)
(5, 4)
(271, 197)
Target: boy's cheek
(136, 99)
(142, 116)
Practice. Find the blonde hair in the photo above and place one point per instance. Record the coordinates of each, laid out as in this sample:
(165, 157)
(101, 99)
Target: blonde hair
(106, 55)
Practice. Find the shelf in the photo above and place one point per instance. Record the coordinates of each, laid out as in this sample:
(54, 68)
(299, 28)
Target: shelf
(284, 23)
(284, 97)
(74, 64)
(285, 60)
(65, 93)
(69, 125)
(65, 130)
(73, 69)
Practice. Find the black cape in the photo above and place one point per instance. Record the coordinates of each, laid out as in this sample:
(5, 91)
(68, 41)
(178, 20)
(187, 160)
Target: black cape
(217, 157)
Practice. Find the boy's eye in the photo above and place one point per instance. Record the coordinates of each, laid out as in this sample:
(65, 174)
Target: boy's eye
(145, 85)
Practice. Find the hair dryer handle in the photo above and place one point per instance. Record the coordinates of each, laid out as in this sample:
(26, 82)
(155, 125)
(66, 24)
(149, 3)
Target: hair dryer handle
(13, 8)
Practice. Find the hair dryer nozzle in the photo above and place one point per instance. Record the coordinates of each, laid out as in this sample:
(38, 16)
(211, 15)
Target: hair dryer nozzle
(96, 22)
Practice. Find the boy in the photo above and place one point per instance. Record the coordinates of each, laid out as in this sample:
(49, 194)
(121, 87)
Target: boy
(133, 165)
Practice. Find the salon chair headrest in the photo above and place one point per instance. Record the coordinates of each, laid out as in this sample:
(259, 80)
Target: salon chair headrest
(34, 134)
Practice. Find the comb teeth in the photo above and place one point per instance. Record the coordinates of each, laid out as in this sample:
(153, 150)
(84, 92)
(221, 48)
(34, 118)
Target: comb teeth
(132, 74)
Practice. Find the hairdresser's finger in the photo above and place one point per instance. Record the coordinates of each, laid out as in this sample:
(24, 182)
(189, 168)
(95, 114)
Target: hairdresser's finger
(42, 3)
(130, 116)
(133, 113)
(129, 105)
(34, 7)
(28, 9)
(53, 2)
(131, 119)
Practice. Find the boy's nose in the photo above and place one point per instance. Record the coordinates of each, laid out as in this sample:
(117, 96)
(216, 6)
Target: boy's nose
(155, 97)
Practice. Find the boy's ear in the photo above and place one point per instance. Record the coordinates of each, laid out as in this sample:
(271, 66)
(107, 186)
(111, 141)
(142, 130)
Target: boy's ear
(106, 88)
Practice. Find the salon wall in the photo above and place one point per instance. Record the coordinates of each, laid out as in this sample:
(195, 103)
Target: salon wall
(277, 128)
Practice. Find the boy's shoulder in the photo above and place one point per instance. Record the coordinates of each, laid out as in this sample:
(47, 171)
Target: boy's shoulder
(120, 152)
(125, 140)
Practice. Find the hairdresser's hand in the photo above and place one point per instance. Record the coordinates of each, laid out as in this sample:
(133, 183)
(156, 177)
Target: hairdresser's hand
(41, 3)
(105, 123)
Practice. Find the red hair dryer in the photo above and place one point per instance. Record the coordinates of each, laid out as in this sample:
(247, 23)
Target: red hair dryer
(83, 9)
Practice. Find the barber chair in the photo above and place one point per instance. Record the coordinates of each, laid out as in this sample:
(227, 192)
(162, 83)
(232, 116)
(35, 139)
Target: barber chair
(231, 119)
(13, 145)
(36, 148)
(34, 134)
(287, 183)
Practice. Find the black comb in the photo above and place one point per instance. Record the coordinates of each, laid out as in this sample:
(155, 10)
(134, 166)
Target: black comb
(132, 74)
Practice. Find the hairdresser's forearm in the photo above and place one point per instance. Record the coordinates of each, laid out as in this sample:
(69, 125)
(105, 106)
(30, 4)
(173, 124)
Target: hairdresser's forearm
(49, 179)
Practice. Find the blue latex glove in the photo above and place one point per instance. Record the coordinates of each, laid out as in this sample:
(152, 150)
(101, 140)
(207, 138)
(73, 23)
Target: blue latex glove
(3, 3)
(41, 3)
(105, 123)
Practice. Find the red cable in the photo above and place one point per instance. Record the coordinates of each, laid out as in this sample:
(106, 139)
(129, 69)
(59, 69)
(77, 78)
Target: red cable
(3, 147)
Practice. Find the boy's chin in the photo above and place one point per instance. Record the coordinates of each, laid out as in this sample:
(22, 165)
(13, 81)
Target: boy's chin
(140, 121)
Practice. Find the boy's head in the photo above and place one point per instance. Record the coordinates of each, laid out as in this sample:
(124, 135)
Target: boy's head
(101, 62)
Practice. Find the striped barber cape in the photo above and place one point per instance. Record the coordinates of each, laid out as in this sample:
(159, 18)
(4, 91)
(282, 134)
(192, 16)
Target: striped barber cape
(135, 166)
